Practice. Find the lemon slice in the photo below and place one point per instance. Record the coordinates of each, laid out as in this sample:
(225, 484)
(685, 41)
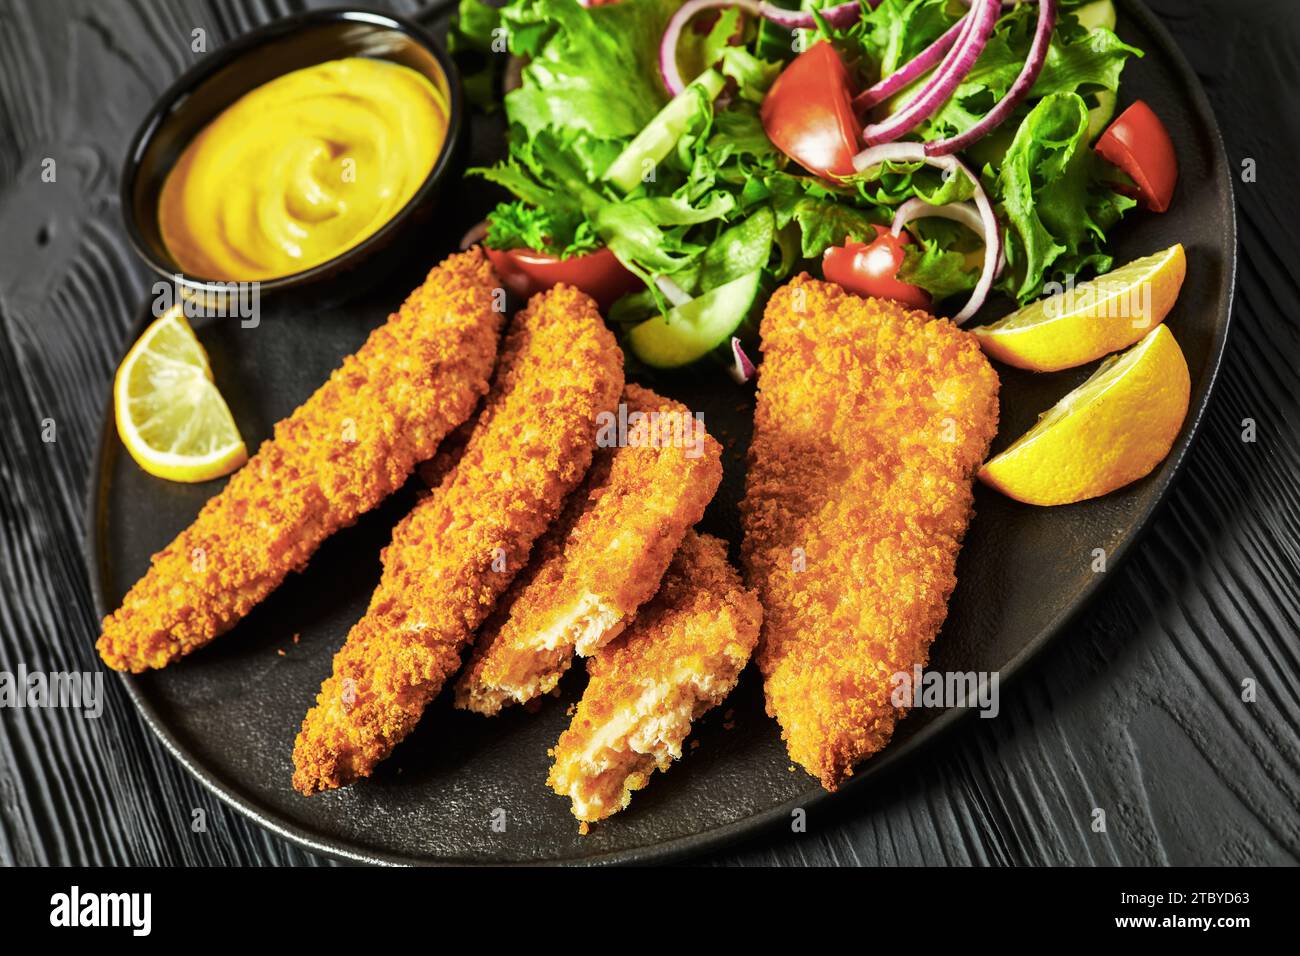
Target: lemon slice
(1111, 430)
(169, 414)
(1092, 319)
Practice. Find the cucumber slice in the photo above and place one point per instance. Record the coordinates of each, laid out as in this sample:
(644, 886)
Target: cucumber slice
(661, 133)
(738, 250)
(694, 329)
(1099, 116)
(1099, 13)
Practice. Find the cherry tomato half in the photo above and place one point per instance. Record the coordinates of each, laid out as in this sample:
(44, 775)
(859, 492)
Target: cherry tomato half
(599, 274)
(1139, 144)
(808, 113)
(871, 268)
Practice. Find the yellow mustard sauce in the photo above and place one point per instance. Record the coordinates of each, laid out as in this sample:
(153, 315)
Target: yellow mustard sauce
(301, 169)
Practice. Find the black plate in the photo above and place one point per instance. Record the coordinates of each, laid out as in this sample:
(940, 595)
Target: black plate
(230, 712)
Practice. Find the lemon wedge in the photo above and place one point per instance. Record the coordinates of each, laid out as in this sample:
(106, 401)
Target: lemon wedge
(1111, 430)
(1095, 318)
(170, 416)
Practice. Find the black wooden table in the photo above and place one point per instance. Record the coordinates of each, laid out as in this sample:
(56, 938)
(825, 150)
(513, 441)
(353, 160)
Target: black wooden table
(1138, 710)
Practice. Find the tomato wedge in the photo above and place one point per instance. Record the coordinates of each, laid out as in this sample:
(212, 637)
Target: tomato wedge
(871, 268)
(808, 113)
(599, 274)
(1139, 144)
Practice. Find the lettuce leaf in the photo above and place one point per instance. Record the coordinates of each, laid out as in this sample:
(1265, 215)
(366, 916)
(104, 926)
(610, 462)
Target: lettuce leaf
(519, 225)
(1051, 197)
(591, 70)
(938, 270)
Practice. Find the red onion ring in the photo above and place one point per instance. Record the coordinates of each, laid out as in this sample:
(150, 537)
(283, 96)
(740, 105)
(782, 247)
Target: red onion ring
(475, 234)
(837, 16)
(975, 35)
(913, 70)
(668, 71)
(672, 291)
(513, 77)
(1019, 89)
(967, 214)
(741, 369)
(915, 153)
(840, 15)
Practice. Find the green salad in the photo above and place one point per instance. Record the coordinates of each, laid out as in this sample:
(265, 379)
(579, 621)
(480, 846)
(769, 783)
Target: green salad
(935, 151)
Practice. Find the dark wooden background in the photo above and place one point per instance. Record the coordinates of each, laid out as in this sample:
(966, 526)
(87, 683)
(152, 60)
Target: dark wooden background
(1137, 710)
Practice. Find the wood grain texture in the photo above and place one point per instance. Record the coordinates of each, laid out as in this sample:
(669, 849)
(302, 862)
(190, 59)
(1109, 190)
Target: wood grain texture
(1136, 710)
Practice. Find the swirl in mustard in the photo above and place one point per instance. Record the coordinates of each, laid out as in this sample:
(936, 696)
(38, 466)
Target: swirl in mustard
(302, 169)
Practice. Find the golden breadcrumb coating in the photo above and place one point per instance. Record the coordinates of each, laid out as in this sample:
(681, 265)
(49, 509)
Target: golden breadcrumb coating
(349, 446)
(679, 658)
(602, 560)
(432, 472)
(871, 422)
(458, 550)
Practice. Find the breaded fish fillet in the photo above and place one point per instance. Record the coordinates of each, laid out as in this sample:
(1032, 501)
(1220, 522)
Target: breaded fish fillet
(349, 446)
(458, 550)
(871, 422)
(679, 658)
(603, 559)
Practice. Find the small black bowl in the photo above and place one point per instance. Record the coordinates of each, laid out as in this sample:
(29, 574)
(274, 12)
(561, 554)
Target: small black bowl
(241, 66)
